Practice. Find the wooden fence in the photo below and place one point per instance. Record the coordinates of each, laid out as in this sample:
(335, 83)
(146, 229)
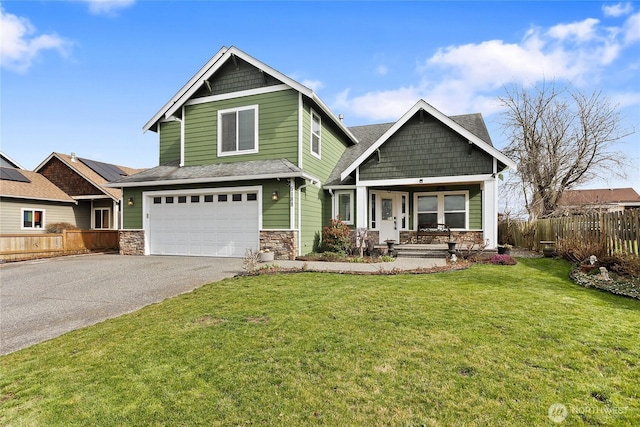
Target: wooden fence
(14, 247)
(618, 231)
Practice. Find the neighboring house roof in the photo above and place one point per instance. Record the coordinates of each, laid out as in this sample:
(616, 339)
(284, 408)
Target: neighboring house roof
(33, 187)
(371, 137)
(220, 172)
(218, 60)
(601, 196)
(97, 173)
(8, 162)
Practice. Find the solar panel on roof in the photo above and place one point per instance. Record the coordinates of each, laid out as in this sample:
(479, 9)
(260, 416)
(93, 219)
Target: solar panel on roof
(107, 171)
(10, 174)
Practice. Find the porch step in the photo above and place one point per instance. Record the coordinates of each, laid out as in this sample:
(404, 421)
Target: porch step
(421, 251)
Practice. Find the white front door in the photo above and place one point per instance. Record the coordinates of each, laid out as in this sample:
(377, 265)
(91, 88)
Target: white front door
(388, 218)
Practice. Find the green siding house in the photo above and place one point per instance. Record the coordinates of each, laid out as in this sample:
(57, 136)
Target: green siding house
(251, 159)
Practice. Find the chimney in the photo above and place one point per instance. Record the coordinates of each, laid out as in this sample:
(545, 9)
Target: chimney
(341, 117)
(73, 157)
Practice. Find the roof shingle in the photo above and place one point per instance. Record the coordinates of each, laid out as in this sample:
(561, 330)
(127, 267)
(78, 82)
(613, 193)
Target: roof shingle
(39, 188)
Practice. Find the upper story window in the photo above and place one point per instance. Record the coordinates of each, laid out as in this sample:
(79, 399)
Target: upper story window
(238, 131)
(316, 134)
(32, 218)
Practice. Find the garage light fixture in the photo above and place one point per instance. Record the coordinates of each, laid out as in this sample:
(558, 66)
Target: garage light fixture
(274, 196)
(130, 201)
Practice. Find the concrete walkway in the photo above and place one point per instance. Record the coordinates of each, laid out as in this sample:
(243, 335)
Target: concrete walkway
(402, 264)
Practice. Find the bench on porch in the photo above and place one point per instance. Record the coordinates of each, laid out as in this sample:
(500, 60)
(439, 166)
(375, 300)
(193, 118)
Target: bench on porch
(433, 229)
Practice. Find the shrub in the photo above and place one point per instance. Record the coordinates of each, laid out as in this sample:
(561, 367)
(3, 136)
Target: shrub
(332, 256)
(625, 265)
(577, 249)
(471, 247)
(336, 237)
(250, 260)
(59, 227)
(503, 260)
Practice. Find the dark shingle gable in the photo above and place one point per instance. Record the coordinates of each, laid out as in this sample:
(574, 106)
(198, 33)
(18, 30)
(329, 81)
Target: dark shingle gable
(367, 135)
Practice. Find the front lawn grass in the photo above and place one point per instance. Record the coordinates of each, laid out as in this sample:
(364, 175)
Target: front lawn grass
(490, 345)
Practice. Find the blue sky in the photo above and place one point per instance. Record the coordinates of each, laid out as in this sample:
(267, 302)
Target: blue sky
(85, 76)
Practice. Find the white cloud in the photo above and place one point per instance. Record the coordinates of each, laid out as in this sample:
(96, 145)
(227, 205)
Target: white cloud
(467, 78)
(108, 7)
(382, 70)
(582, 31)
(617, 10)
(21, 46)
(314, 85)
(379, 105)
(627, 99)
(631, 29)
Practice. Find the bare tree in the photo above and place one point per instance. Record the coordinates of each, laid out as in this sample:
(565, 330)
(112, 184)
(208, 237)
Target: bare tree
(560, 138)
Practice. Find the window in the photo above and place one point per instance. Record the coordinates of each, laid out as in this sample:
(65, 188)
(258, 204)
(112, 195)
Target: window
(236, 197)
(427, 209)
(32, 218)
(222, 197)
(238, 131)
(195, 199)
(101, 218)
(208, 198)
(455, 212)
(168, 199)
(182, 199)
(373, 210)
(157, 200)
(316, 130)
(343, 206)
(251, 197)
(443, 208)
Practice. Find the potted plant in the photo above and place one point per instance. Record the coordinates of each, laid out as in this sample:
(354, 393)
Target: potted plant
(266, 255)
(452, 247)
(504, 249)
(390, 246)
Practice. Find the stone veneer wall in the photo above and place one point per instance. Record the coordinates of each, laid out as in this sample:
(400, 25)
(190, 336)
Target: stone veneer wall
(458, 236)
(131, 242)
(283, 243)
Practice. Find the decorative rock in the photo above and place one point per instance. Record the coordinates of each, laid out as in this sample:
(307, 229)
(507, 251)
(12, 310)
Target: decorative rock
(604, 274)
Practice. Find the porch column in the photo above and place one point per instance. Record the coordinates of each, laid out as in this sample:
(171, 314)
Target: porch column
(490, 212)
(361, 207)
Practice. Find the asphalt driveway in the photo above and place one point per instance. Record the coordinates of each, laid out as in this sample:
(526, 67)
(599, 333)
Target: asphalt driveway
(43, 299)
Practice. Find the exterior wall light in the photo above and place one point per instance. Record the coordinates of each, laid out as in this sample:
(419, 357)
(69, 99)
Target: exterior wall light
(130, 202)
(274, 196)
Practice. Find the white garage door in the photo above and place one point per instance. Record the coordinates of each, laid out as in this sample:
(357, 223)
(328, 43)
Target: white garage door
(204, 223)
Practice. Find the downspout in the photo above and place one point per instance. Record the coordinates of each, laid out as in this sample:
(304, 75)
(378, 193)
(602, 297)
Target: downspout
(300, 129)
(332, 201)
(292, 203)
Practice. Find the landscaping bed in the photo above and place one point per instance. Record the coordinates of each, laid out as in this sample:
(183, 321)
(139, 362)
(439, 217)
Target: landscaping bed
(614, 282)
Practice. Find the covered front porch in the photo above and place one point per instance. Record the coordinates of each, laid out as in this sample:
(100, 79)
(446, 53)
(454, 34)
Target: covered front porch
(420, 213)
